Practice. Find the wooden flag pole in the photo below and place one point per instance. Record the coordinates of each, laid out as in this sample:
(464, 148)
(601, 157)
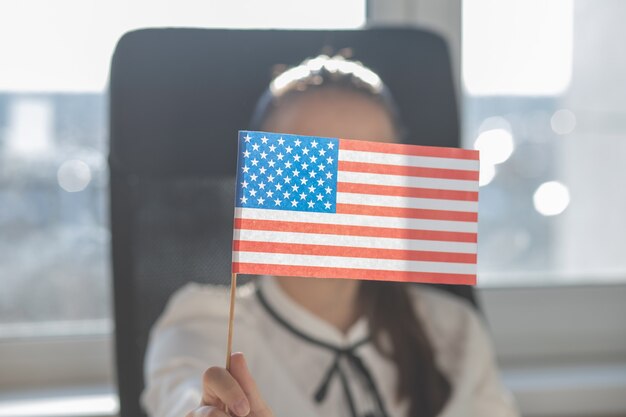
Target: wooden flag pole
(231, 319)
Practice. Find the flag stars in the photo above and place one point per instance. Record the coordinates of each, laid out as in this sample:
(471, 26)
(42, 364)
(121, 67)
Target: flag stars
(294, 203)
(253, 192)
(247, 138)
(271, 163)
(270, 193)
(279, 187)
(246, 154)
(244, 184)
(288, 149)
(245, 169)
(280, 156)
(262, 170)
(254, 162)
(296, 158)
(288, 165)
(331, 145)
(305, 151)
(281, 141)
(262, 185)
(297, 142)
(327, 205)
(264, 140)
(303, 181)
(322, 152)
(286, 195)
(329, 175)
(272, 148)
(270, 178)
(311, 204)
(303, 196)
(312, 174)
(244, 200)
(277, 202)
(329, 160)
(295, 188)
(305, 165)
(263, 155)
(328, 190)
(311, 188)
(295, 173)
(320, 182)
(279, 172)
(253, 177)
(319, 197)
(255, 146)
(287, 180)
(313, 159)
(260, 200)
(314, 144)
(321, 167)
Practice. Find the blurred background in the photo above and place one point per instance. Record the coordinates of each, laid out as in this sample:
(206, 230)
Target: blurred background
(542, 90)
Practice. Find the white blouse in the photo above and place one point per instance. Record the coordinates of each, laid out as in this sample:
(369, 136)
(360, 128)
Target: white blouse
(190, 336)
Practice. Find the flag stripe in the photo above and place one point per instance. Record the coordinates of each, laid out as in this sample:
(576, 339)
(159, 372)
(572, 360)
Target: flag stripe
(404, 181)
(409, 213)
(352, 252)
(357, 220)
(402, 149)
(409, 171)
(345, 262)
(351, 187)
(273, 233)
(353, 273)
(344, 230)
(394, 201)
(408, 160)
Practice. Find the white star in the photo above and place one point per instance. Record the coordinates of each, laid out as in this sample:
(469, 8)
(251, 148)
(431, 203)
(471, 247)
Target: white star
(247, 137)
(254, 162)
(320, 182)
(264, 140)
(331, 145)
(279, 172)
(253, 192)
(263, 155)
(289, 149)
(245, 169)
(272, 148)
(302, 196)
(287, 180)
(271, 163)
(305, 151)
(260, 200)
(262, 170)
(287, 164)
(262, 185)
(303, 181)
(294, 203)
(246, 153)
(311, 188)
(314, 143)
(286, 194)
(270, 193)
(281, 141)
(277, 202)
(305, 165)
(319, 197)
(313, 159)
(294, 188)
(244, 200)
(297, 142)
(311, 204)
(255, 146)
(280, 156)
(329, 175)
(329, 160)
(321, 167)
(296, 158)
(295, 172)
(244, 184)
(322, 152)
(270, 178)
(327, 205)
(279, 187)
(328, 190)
(253, 177)
(312, 174)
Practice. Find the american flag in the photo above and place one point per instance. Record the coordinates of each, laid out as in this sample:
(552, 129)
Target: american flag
(336, 208)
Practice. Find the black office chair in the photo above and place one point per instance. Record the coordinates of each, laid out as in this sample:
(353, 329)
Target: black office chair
(177, 99)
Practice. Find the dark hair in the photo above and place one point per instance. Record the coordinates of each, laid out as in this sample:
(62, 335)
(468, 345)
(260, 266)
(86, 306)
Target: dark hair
(388, 306)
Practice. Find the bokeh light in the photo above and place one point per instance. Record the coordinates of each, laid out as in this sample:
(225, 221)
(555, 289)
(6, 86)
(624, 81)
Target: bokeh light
(551, 198)
(495, 146)
(563, 121)
(74, 175)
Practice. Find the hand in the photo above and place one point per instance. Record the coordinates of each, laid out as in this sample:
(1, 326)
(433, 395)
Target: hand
(235, 390)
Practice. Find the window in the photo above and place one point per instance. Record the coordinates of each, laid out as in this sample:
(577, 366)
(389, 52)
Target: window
(541, 102)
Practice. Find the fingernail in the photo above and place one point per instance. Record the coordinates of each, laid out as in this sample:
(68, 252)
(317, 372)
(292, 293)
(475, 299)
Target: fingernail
(241, 408)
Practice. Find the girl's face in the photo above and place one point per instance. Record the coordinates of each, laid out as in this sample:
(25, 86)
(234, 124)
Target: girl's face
(336, 113)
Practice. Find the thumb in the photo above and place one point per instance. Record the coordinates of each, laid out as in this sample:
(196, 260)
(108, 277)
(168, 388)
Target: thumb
(239, 370)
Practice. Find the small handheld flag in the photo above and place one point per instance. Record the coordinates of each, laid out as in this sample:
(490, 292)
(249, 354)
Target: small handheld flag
(336, 208)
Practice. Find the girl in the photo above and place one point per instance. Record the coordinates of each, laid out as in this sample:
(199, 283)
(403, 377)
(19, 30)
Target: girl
(324, 347)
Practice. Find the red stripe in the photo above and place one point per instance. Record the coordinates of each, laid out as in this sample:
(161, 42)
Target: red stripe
(352, 273)
(392, 190)
(415, 150)
(353, 252)
(410, 213)
(340, 229)
(409, 171)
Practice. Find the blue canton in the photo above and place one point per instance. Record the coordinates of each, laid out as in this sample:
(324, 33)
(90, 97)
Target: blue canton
(287, 172)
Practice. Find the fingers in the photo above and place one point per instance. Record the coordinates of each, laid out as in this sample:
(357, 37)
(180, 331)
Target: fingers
(207, 411)
(221, 388)
(239, 370)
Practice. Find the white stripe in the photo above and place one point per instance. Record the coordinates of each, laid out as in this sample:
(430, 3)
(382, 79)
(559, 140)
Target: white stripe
(353, 241)
(408, 160)
(359, 263)
(408, 202)
(405, 181)
(356, 220)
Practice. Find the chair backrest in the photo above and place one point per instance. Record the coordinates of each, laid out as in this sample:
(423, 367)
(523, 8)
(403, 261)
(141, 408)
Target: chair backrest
(177, 99)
